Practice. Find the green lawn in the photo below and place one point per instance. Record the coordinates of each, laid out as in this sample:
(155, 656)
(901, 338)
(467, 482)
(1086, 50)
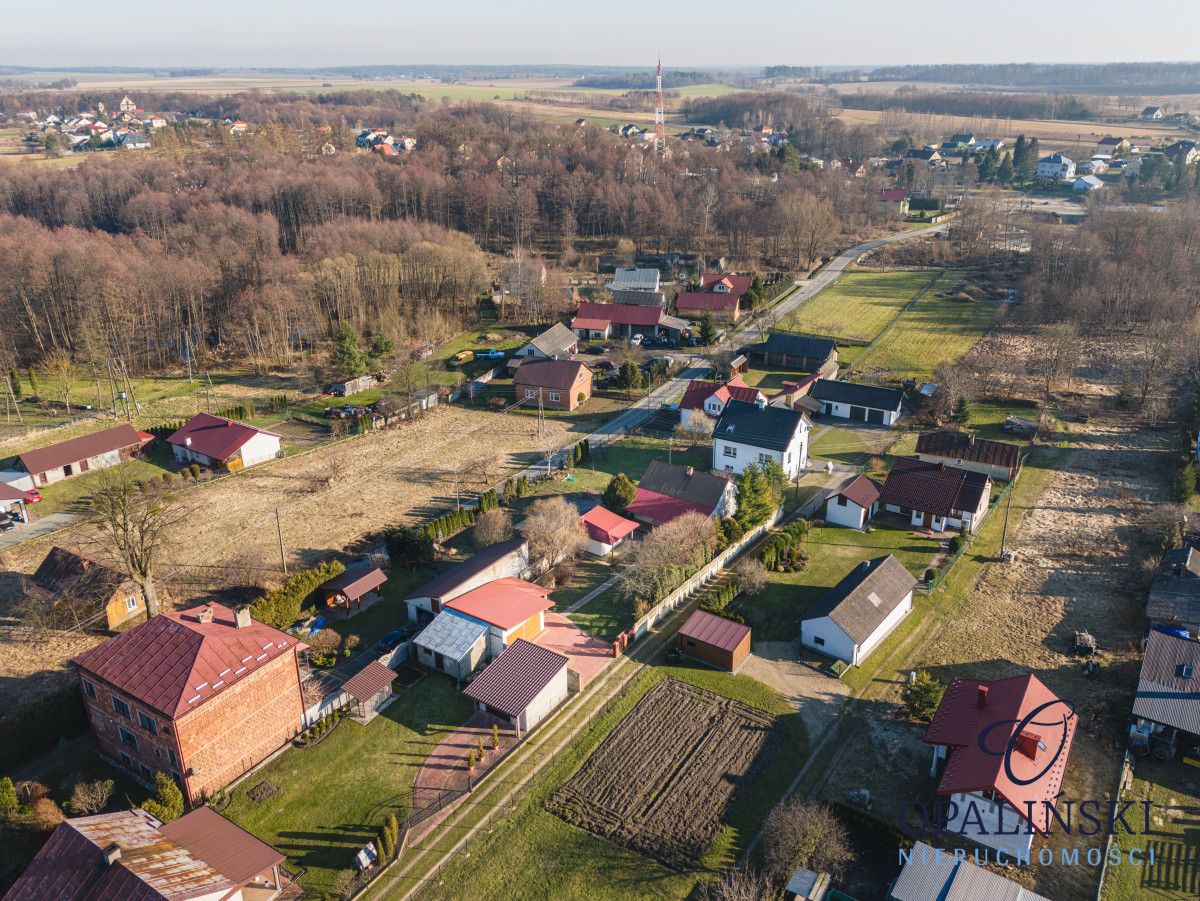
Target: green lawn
(859, 305)
(630, 456)
(391, 613)
(605, 615)
(333, 797)
(68, 494)
(775, 614)
(588, 575)
(838, 444)
(933, 332)
(534, 854)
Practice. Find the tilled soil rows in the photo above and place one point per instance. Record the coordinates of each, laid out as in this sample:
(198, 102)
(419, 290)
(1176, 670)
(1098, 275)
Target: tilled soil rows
(661, 782)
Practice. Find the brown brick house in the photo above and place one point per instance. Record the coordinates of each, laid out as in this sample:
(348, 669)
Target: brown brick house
(203, 695)
(562, 384)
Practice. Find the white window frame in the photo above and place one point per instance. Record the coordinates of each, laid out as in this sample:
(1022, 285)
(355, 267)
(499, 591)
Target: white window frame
(729, 451)
(554, 397)
(131, 604)
(530, 393)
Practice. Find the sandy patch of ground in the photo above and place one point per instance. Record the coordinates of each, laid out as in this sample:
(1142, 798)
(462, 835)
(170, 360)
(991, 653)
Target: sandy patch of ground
(818, 698)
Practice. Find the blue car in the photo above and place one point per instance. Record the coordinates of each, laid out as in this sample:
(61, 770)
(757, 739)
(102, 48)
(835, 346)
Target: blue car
(392, 640)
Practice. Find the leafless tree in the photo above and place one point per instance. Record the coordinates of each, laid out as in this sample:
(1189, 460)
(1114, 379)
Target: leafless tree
(88, 798)
(738, 885)
(133, 527)
(492, 527)
(1060, 350)
(697, 430)
(62, 372)
(554, 531)
(680, 546)
(750, 575)
(803, 833)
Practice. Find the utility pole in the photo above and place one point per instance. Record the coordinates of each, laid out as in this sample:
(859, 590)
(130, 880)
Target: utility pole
(208, 380)
(670, 450)
(541, 413)
(279, 532)
(1007, 508)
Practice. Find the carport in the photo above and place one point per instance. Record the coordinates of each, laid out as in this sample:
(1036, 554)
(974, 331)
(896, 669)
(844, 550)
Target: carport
(12, 503)
(371, 690)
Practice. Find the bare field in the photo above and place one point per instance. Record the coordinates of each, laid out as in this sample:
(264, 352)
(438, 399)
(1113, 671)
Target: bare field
(662, 780)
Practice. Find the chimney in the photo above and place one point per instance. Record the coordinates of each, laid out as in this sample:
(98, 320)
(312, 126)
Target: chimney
(691, 471)
(206, 615)
(981, 696)
(242, 617)
(760, 402)
(1028, 743)
(112, 854)
(187, 441)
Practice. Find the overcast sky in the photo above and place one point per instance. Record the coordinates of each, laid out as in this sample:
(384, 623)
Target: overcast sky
(700, 33)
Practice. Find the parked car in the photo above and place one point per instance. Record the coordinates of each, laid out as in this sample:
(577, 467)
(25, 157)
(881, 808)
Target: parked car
(392, 640)
(636, 340)
(463, 356)
(33, 496)
(490, 354)
(594, 349)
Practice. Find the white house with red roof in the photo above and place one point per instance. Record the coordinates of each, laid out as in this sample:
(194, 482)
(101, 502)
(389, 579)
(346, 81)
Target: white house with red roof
(854, 505)
(703, 401)
(217, 442)
(1000, 751)
(606, 530)
(203, 695)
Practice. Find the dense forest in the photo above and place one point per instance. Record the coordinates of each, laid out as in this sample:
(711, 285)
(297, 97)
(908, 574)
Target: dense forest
(248, 246)
(973, 103)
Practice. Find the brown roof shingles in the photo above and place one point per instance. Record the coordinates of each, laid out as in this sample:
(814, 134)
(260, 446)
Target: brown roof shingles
(75, 450)
(559, 375)
(965, 446)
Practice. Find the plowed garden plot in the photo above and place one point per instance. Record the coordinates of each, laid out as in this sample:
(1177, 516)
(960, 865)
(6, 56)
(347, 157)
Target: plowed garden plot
(662, 781)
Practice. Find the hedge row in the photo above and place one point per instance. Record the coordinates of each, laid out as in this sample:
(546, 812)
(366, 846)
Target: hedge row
(281, 607)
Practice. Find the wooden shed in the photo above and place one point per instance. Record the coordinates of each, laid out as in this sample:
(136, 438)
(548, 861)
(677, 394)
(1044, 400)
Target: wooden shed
(714, 640)
(352, 585)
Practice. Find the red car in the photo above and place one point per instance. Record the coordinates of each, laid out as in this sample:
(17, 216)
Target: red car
(33, 496)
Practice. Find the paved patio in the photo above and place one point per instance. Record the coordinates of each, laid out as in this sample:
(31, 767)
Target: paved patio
(588, 655)
(446, 766)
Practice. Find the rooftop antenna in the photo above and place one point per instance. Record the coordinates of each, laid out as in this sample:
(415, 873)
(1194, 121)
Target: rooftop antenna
(660, 136)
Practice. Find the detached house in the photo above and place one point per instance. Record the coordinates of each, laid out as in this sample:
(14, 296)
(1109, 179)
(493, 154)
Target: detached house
(861, 403)
(217, 442)
(1175, 594)
(666, 492)
(704, 401)
(1056, 167)
(791, 351)
(558, 384)
(757, 433)
(936, 496)
(203, 695)
(86, 453)
(894, 201)
(1002, 798)
(1111, 145)
(557, 341)
(1165, 708)
(962, 450)
(505, 559)
(606, 530)
(637, 286)
(854, 616)
(68, 576)
(509, 608)
(719, 295)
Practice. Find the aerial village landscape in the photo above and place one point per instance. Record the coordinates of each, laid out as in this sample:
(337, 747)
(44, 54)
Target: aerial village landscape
(600, 481)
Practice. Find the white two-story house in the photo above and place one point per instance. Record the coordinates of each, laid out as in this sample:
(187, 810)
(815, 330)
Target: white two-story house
(1056, 167)
(757, 433)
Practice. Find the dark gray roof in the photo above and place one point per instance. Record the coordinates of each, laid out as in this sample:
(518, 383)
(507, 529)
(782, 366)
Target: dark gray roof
(857, 395)
(1187, 559)
(702, 488)
(1166, 693)
(798, 345)
(863, 600)
(469, 568)
(555, 341)
(511, 681)
(933, 875)
(1175, 599)
(772, 428)
(640, 298)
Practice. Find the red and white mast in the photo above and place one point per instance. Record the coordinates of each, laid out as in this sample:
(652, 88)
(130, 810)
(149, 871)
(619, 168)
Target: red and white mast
(660, 133)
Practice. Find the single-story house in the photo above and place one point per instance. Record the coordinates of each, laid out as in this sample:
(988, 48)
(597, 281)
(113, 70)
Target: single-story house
(556, 341)
(853, 617)
(667, 491)
(606, 530)
(936, 874)
(894, 201)
(216, 442)
(993, 794)
(1085, 184)
(354, 583)
(1182, 153)
(757, 433)
(130, 854)
(557, 384)
(862, 403)
(997, 459)
(504, 559)
(617, 320)
(1152, 112)
(510, 608)
(927, 155)
(790, 351)
(1175, 594)
(703, 402)
(855, 504)
(452, 644)
(714, 640)
(1112, 145)
(524, 685)
(98, 450)
(1166, 701)
(719, 295)
(936, 495)
(68, 576)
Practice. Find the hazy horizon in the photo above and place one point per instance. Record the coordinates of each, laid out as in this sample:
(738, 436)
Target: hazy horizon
(303, 34)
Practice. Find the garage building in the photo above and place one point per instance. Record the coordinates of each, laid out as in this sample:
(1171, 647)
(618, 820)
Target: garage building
(854, 616)
(523, 685)
(861, 403)
(714, 640)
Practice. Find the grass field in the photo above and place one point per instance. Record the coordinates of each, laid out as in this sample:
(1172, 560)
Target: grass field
(605, 615)
(537, 855)
(332, 798)
(859, 305)
(775, 614)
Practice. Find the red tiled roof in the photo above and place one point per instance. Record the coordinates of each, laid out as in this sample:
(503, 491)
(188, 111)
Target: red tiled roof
(706, 301)
(504, 603)
(44, 459)
(658, 508)
(619, 313)
(697, 392)
(714, 630)
(215, 436)
(605, 526)
(511, 681)
(862, 491)
(932, 487)
(961, 722)
(174, 663)
(739, 283)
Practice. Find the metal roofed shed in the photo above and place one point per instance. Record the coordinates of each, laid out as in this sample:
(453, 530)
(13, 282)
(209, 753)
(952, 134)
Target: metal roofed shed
(523, 685)
(97, 450)
(453, 644)
(371, 689)
(606, 530)
(932, 874)
(860, 403)
(714, 640)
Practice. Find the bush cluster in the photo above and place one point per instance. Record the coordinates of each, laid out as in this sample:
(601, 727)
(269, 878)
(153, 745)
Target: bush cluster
(282, 606)
(783, 553)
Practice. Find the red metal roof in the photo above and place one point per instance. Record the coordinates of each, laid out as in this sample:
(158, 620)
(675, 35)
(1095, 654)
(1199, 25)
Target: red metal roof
(511, 681)
(739, 283)
(619, 313)
(961, 722)
(214, 436)
(707, 301)
(504, 603)
(174, 663)
(697, 392)
(658, 508)
(9, 493)
(605, 526)
(716, 631)
(893, 195)
(230, 850)
(44, 459)
(355, 580)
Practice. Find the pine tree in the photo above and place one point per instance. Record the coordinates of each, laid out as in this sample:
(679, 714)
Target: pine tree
(630, 376)
(1020, 151)
(1029, 164)
(167, 803)
(1004, 174)
(962, 410)
(8, 796)
(349, 355)
(753, 497)
(33, 381)
(708, 329)
(619, 494)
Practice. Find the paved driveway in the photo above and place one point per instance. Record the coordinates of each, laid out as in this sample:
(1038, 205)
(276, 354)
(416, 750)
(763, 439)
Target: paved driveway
(817, 697)
(37, 528)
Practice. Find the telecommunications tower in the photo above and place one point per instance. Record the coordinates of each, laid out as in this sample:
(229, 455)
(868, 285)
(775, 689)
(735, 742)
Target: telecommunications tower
(660, 134)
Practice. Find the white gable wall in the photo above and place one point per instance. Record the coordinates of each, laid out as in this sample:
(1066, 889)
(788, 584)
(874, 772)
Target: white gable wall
(824, 635)
(850, 515)
(733, 456)
(259, 449)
